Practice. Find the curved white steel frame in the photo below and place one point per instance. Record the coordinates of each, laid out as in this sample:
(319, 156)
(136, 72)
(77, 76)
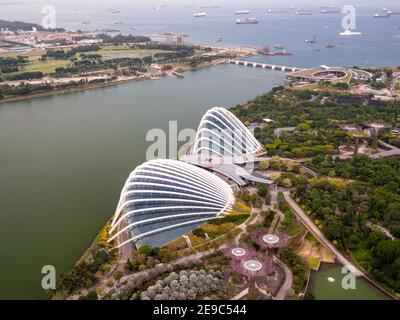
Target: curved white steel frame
(147, 221)
(155, 231)
(233, 139)
(169, 190)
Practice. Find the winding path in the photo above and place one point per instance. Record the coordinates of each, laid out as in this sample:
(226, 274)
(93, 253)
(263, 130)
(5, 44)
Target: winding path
(287, 284)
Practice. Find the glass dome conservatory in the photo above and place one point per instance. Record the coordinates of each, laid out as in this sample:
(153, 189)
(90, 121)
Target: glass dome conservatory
(165, 199)
(221, 133)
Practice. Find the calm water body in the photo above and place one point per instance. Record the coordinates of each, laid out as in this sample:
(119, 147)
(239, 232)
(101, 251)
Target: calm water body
(323, 289)
(63, 159)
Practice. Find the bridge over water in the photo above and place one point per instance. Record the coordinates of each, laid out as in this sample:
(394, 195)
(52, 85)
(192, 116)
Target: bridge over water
(264, 65)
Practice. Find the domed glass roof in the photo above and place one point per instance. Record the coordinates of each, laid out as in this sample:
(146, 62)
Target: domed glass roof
(164, 199)
(221, 133)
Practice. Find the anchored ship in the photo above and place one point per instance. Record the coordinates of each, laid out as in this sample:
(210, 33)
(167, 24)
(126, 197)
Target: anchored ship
(242, 12)
(199, 14)
(381, 15)
(251, 20)
(303, 13)
(350, 33)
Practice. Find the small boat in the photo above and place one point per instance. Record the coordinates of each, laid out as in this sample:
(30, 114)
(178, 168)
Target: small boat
(278, 46)
(311, 40)
(324, 11)
(199, 14)
(219, 39)
(275, 11)
(330, 45)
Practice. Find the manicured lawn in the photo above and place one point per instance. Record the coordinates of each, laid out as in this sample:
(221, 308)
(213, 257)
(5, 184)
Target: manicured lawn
(313, 262)
(311, 238)
(121, 50)
(242, 206)
(46, 67)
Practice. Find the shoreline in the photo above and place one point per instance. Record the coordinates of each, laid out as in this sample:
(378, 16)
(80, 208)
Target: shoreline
(91, 87)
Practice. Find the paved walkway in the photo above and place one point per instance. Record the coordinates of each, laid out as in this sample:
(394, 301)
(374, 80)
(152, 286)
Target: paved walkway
(385, 231)
(240, 295)
(125, 252)
(287, 284)
(392, 152)
(319, 235)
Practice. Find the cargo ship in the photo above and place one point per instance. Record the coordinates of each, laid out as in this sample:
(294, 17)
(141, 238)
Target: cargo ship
(199, 14)
(242, 12)
(303, 13)
(275, 11)
(381, 15)
(251, 20)
(350, 33)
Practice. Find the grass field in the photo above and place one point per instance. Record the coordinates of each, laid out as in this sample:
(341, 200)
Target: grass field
(50, 65)
(47, 66)
(122, 50)
(313, 263)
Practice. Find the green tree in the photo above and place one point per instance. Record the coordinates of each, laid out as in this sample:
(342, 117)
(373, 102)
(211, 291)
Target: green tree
(145, 250)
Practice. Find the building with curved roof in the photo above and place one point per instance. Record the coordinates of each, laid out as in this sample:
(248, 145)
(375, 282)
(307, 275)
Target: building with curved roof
(164, 199)
(222, 134)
